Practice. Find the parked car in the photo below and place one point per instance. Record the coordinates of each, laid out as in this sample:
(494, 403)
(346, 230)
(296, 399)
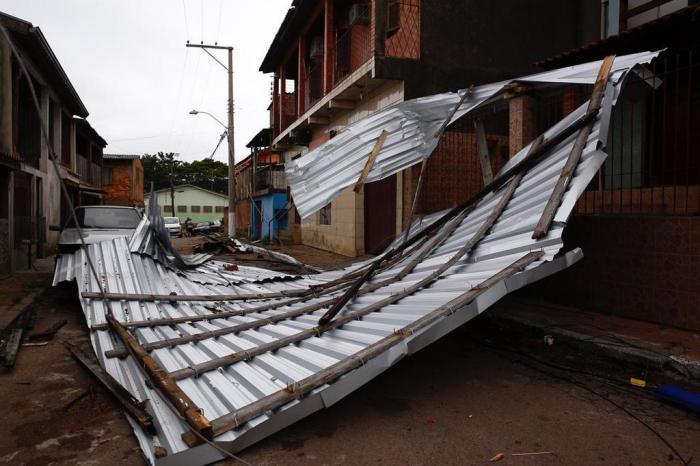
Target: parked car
(98, 223)
(172, 224)
(207, 227)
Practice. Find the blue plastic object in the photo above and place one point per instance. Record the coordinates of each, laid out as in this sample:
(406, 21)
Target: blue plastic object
(678, 395)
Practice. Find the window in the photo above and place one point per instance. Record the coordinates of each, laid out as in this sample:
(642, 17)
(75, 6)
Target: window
(208, 209)
(107, 174)
(168, 208)
(219, 209)
(324, 215)
(393, 16)
(194, 209)
(182, 208)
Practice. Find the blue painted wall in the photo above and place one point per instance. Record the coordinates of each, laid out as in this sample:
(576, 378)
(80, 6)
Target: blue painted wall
(270, 205)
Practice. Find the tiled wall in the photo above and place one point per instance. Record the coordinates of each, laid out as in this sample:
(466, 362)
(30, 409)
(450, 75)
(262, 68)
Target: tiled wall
(645, 268)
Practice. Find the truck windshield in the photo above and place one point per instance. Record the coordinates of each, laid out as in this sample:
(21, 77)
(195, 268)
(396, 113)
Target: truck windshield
(106, 217)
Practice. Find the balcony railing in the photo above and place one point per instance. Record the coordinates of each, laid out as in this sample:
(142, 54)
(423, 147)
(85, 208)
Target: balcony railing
(353, 47)
(270, 177)
(89, 171)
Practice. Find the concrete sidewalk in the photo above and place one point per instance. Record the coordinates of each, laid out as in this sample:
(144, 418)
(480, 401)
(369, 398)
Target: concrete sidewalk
(655, 347)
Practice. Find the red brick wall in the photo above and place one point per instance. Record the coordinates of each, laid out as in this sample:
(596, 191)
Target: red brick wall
(127, 183)
(640, 267)
(453, 172)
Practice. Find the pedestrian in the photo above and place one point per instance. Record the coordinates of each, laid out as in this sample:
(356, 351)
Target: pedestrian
(189, 226)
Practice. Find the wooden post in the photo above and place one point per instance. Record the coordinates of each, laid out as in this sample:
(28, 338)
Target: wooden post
(301, 77)
(159, 378)
(567, 172)
(283, 96)
(370, 161)
(522, 122)
(483, 152)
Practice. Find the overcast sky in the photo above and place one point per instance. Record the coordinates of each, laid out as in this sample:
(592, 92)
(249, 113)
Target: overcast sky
(128, 61)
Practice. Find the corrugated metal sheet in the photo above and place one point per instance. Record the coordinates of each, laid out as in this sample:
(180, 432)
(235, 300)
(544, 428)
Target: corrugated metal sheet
(228, 389)
(316, 178)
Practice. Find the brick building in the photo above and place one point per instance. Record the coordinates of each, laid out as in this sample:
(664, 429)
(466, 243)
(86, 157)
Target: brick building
(122, 180)
(638, 223)
(335, 62)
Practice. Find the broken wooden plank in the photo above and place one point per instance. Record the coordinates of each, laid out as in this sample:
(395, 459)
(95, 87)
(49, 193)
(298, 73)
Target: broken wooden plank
(203, 298)
(9, 354)
(370, 161)
(482, 149)
(567, 172)
(274, 400)
(160, 379)
(130, 403)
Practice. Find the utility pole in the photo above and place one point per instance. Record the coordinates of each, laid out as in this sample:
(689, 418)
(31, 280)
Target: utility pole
(231, 159)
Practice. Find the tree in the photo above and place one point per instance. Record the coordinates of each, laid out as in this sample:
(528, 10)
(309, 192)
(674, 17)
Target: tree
(206, 173)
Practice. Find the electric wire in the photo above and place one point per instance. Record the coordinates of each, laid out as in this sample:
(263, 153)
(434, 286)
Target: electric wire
(500, 351)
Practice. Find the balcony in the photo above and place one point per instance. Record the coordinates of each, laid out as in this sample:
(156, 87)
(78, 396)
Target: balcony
(332, 63)
(89, 172)
(270, 178)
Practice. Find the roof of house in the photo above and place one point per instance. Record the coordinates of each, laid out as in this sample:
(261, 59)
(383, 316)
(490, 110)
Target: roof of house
(297, 15)
(121, 156)
(261, 139)
(672, 30)
(188, 185)
(85, 126)
(30, 40)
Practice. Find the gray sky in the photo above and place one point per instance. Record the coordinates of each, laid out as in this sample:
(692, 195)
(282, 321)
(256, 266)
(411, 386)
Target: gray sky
(128, 61)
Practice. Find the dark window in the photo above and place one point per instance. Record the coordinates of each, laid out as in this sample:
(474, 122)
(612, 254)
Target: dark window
(168, 208)
(107, 174)
(325, 215)
(208, 209)
(182, 208)
(393, 16)
(194, 209)
(219, 209)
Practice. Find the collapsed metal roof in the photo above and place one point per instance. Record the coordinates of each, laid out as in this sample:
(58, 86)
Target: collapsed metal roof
(256, 365)
(316, 178)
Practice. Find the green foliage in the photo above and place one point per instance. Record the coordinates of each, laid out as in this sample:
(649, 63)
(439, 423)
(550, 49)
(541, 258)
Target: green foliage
(206, 173)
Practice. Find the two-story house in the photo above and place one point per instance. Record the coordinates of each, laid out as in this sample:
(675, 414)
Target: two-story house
(335, 62)
(32, 205)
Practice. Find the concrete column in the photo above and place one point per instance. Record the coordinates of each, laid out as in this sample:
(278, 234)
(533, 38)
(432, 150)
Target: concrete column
(522, 122)
(44, 120)
(57, 130)
(73, 156)
(5, 98)
(328, 46)
(301, 77)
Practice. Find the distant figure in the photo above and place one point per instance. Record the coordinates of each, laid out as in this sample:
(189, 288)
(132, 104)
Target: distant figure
(189, 226)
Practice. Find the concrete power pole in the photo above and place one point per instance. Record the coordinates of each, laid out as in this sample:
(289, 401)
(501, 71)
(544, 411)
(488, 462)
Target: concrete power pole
(231, 158)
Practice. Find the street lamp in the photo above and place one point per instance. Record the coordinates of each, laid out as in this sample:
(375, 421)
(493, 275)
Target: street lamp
(231, 172)
(197, 112)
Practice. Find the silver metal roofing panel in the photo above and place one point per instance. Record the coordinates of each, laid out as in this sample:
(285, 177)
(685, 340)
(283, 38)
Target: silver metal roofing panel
(317, 177)
(224, 390)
